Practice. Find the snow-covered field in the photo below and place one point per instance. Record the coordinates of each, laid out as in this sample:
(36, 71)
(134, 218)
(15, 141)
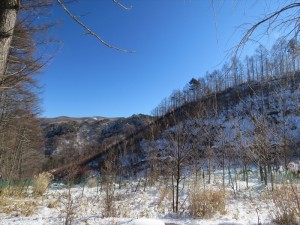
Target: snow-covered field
(137, 204)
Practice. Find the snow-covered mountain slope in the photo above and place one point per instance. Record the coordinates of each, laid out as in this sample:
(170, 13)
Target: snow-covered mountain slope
(267, 118)
(263, 114)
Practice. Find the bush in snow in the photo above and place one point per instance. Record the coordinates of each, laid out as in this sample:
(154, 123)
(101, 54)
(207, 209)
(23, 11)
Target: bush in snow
(41, 183)
(92, 182)
(286, 199)
(206, 203)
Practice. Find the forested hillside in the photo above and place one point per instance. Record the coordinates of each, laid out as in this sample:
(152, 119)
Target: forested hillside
(67, 140)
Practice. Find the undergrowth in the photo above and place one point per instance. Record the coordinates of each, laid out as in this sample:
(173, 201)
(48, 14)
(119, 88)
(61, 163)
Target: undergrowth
(204, 203)
(286, 199)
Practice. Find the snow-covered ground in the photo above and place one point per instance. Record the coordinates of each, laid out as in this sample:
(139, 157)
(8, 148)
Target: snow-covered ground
(137, 204)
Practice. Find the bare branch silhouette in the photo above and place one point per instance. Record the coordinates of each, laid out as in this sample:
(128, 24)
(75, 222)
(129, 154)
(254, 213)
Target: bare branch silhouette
(291, 22)
(120, 4)
(89, 31)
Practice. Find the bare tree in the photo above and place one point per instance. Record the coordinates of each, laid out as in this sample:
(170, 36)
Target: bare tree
(20, 141)
(180, 148)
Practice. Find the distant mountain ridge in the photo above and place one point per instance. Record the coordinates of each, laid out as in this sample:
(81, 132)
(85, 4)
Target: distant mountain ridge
(62, 119)
(67, 136)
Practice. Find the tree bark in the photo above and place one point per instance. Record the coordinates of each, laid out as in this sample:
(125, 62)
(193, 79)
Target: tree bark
(177, 189)
(8, 17)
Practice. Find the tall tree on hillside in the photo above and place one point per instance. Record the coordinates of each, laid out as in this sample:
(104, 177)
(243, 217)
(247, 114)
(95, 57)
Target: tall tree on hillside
(194, 87)
(293, 49)
(261, 55)
(279, 57)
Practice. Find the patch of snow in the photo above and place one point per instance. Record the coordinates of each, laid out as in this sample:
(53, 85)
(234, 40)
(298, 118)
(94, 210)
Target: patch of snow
(144, 221)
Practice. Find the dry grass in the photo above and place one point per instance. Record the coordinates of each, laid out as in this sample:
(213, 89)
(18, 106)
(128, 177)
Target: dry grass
(52, 203)
(15, 191)
(92, 182)
(164, 195)
(14, 200)
(286, 199)
(21, 207)
(206, 203)
(41, 183)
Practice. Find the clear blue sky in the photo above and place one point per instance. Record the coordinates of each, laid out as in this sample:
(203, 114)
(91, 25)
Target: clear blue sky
(175, 40)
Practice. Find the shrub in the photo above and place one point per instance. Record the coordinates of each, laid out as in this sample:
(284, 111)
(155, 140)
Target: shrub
(205, 203)
(109, 189)
(286, 199)
(69, 208)
(41, 183)
(109, 201)
(92, 182)
(52, 203)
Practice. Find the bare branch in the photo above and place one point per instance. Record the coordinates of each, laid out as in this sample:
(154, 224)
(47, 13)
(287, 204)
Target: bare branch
(90, 32)
(215, 20)
(271, 19)
(120, 4)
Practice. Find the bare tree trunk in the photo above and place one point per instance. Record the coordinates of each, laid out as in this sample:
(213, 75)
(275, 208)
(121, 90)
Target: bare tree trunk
(8, 17)
(177, 189)
(265, 175)
(223, 167)
(261, 173)
(209, 171)
(173, 194)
